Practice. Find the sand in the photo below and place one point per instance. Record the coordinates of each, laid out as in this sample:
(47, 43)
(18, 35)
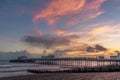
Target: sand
(68, 76)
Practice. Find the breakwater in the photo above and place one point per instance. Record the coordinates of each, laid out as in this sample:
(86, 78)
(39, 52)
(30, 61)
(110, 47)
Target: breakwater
(108, 68)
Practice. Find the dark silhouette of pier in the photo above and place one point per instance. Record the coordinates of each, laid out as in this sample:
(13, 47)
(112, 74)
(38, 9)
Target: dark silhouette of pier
(75, 64)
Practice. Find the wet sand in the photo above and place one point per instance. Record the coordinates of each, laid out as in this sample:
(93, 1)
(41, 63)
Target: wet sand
(68, 76)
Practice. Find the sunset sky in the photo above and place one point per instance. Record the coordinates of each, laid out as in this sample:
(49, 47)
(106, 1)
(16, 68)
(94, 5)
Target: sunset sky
(74, 27)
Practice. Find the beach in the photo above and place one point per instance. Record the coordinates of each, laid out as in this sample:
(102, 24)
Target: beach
(67, 76)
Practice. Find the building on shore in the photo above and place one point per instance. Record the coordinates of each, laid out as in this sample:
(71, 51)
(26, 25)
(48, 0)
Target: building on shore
(116, 57)
(48, 57)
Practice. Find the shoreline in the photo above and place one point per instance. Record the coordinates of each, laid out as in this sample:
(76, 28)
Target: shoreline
(67, 76)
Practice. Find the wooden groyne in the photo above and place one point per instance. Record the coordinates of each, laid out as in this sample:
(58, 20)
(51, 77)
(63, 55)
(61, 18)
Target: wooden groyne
(108, 68)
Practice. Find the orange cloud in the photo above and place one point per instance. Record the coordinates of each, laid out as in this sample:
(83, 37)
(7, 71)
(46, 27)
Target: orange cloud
(90, 11)
(75, 10)
(108, 31)
(100, 30)
(58, 31)
(59, 8)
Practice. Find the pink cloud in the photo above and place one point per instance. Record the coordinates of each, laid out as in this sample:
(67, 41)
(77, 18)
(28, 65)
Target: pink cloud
(75, 11)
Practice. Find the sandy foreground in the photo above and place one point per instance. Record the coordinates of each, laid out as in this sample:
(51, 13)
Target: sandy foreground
(68, 76)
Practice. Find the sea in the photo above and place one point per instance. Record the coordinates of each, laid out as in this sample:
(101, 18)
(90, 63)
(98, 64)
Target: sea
(8, 69)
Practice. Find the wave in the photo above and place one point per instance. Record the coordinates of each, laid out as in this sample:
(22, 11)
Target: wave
(12, 71)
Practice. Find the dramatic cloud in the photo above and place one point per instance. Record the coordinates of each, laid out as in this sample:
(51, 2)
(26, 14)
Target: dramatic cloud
(47, 41)
(55, 10)
(85, 48)
(90, 49)
(100, 30)
(100, 48)
(58, 31)
(41, 39)
(71, 10)
(95, 48)
(107, 31)
(82, 50)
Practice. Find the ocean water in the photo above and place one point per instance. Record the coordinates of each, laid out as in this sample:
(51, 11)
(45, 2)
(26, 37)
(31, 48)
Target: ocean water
(15, 69)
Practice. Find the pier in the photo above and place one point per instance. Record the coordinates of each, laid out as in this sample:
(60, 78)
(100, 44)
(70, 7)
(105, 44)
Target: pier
(75, 64)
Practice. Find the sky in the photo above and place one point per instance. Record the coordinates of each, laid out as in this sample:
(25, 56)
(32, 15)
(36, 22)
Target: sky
(72, 27)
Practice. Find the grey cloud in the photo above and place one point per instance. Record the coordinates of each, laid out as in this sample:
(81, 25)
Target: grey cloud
(48, 41)
(90, 49)
(95, 48)
(100, 48)
(86, 48)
